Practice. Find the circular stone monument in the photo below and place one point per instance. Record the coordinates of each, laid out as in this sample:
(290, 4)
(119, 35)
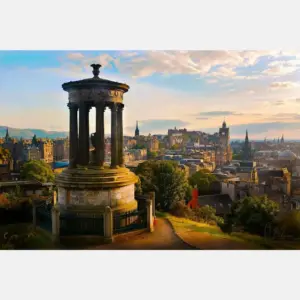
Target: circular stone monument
(88, 184)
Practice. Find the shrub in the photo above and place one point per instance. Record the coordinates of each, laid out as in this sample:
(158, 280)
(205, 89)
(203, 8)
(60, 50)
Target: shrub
(181, 210)
(289, 224)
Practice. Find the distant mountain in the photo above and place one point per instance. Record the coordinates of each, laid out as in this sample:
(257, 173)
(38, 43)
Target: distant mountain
(29, 133)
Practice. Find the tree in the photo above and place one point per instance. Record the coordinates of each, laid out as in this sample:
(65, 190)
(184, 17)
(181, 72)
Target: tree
(203, 180)
(37, 170)
(289, 223)
(5, 154)
(151, 154)
(166, 179)
(253, 213)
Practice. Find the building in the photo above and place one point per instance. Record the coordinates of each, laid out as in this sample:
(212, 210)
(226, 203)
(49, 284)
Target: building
(247, 150)
(61, 149)
(153, 143)
(46, 149)
(31, 153)
(223, 149)
(137, 131)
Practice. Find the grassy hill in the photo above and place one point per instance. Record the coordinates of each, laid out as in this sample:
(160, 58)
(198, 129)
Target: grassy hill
(207, 237)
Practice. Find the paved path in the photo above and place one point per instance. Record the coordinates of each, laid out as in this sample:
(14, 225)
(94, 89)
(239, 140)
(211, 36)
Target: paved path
(163, 238)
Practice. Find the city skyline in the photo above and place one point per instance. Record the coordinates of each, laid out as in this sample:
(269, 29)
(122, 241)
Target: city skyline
(254, 90)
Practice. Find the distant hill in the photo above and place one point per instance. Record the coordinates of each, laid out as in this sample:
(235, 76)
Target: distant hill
(29, 133)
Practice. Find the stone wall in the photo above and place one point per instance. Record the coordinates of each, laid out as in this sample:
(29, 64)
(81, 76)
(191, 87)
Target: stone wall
(112, 197)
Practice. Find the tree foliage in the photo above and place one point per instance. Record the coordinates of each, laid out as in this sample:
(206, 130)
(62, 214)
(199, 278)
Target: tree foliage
(37, 170)
(5, 154)
(253, 213)
(151, 154)
(203, 180)
(289, 223)
(166, 179)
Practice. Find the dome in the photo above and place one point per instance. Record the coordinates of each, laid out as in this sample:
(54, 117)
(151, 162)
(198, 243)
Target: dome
(287, 155)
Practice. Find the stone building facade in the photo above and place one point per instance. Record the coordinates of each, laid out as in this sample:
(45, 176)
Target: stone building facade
(61, 149)
(46, 149)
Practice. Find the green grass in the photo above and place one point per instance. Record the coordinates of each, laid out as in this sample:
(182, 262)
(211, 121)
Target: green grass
(254, 241)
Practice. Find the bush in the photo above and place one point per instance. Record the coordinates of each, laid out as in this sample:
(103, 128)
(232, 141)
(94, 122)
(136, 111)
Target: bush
(254, 213)
(181, 210)
(289, 224)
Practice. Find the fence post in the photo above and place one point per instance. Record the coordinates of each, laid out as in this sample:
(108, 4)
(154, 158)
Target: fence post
(54, 197)
(149, 216)
(108, 225)
(55, 214)
(33, 215)
(152, 197)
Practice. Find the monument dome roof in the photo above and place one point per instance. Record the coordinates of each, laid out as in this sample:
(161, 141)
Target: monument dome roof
(287, 155)
(95, 81)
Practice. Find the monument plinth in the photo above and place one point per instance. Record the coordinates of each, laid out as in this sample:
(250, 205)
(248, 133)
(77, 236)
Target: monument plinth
(88, 184)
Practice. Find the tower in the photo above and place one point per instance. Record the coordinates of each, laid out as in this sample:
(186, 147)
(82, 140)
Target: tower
(7, 137)
(224, 145)
(137, 131)
(282, 140)
(247, 148)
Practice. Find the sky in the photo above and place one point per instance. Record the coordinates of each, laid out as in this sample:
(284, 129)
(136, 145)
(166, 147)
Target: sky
(197, 90)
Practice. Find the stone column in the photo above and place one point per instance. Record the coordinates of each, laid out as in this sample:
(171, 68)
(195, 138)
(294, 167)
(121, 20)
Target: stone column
(55, 223)
(108, 225)
(114, 137)
(150, 220)
(83, 154)
(120, 135)
(73, 148)
(100, 139)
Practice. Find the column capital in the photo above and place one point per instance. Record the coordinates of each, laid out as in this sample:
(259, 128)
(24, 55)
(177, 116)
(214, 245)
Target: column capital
(113, 106)
(72, 105)
(120, 106)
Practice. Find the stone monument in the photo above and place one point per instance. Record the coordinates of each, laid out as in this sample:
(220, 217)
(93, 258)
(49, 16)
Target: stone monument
(88, 184)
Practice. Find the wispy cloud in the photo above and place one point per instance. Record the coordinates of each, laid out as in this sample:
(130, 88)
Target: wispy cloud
(283, 85)
(219, 113)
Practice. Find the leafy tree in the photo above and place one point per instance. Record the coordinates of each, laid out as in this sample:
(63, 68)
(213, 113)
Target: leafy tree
(166, 179)
(203, 180)
(207, 214)
(175, 147)
(138, 187)
(151, 154)
(289, 223)
(138, 146)
(237, 156)
(5, 154)
(37, 170)
(253, 213)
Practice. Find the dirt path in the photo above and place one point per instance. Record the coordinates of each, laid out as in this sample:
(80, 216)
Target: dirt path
(163, 238)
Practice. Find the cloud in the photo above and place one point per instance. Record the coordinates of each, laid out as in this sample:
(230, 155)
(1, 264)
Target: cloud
(75, 56)
(157, 125)
(284, 85)
(282, 67)
(258, 128)
(279, 103)
(147, 63)
(219, 113)
(202, 118)
(297, 99)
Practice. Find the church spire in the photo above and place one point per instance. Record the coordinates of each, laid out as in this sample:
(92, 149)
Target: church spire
(7, 138)
(137, 131)
(246, 138)
(282, 139)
